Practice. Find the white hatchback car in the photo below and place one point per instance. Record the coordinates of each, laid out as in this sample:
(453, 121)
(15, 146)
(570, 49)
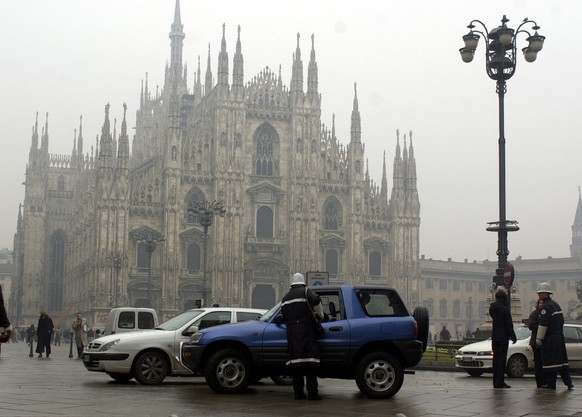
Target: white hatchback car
(149, 356)
(477, 358)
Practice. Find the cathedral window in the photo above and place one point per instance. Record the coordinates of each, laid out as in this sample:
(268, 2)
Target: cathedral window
(193, 258)
(57, 271)
(375, 263)
(61, 183)
(443, 308)
(265, 222)
(358, 166)
(331, 262)
(193, 195)
(313, 145)
(143, 256)
(174, 153)
(332, 215)
(299, 145)
(265, 158)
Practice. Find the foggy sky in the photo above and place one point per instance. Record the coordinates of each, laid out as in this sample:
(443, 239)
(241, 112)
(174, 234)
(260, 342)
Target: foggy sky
(71, 58)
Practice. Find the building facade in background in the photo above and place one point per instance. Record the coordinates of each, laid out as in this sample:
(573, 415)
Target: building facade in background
(296, 199)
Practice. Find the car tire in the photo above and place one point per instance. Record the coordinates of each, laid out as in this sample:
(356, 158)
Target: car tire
(228, 371)
(516, 366)
(421, 316)
(282, 379)
(120, 377)
(379, 375)
(150, 368)
(475, 372)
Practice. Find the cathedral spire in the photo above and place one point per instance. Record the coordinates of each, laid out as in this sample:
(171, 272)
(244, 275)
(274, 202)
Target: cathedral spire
(384, 189)
(34, 144)
(297, 70)
(222, 72)
(123, 145)
(45, 136)
(356, 130)
(208, 82)
(312, 81)
(177, 40)
(238, 68)
(105, 144)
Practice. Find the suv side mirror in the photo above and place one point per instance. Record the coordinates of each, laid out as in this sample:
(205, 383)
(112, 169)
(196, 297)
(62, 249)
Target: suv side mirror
(279, 319)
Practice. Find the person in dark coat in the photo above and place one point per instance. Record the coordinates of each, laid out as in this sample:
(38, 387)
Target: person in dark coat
(4, 322)
(550, 337)
(303, 350)
(533, 323)
(44, 332)
(445, 334)
(501, 333)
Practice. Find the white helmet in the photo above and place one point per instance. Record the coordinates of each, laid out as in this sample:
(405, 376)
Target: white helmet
(297, 279)
(545, 287)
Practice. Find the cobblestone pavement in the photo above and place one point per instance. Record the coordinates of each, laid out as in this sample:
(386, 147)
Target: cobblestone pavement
(60, 386)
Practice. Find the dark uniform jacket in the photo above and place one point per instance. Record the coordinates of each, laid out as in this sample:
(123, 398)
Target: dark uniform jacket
(533, 323)
(553, 346)
(4, 322)
(301, 335)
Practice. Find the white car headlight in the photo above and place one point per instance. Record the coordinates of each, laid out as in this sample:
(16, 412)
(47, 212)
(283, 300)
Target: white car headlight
(109, 345)
(196, 337)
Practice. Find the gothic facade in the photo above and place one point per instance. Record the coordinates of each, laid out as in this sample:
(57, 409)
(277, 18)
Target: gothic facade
(112, 226)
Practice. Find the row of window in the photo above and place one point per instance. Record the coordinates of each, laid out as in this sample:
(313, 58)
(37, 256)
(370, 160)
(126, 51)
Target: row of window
(444, 285)
(460, 310)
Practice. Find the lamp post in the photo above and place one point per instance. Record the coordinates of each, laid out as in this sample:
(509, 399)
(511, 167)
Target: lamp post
(206, 210)
(500, 63)
(117, 259)
(150, 239)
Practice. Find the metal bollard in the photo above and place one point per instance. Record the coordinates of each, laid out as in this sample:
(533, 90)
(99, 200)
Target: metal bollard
(71, 346)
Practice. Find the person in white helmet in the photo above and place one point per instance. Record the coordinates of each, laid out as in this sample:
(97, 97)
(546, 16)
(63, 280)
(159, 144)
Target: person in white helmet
(550, 337)
(303, 350)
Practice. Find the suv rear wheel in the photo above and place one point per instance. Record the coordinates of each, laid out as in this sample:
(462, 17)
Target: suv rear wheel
(228, 372)
(379, 375)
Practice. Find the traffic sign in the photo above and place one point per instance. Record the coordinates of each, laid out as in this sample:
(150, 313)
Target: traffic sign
(315, 278)
(508, 274)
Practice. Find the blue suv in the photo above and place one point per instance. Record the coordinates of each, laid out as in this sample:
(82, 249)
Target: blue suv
(369, 336)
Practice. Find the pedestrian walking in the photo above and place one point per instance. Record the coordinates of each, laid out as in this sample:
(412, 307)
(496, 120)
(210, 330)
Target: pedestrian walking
(550, 338)
(533, 324)
(44, 332)
(80, 329)
(31, 334)
(501, 333)
(58, 336)
(303, 351)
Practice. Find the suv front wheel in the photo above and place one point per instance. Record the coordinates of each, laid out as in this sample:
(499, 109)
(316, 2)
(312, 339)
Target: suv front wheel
(228, 372)
(379, 375)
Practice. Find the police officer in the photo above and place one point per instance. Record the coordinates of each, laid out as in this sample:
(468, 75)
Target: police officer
(303, 350)
(550, 337)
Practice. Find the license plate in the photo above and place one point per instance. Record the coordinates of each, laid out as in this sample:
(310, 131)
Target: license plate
(467, 358)
(86, 358)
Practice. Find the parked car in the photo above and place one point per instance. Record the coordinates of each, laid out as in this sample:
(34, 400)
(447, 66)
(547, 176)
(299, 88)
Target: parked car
(149, 356)
(128, 319)
(477, 358)
(370, 336)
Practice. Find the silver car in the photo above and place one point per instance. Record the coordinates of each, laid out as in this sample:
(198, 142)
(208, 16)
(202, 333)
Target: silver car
(477, 358)
(149, 356)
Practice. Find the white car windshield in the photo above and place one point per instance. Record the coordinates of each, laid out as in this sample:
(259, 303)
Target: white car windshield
(522, 332)
(180, 320)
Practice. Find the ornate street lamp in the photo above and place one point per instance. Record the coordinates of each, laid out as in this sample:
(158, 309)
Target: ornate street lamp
(117, 259)
(151, 240)
(206, 210)
(500, 63)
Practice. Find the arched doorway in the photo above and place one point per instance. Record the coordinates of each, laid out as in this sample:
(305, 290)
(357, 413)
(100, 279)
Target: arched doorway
(263, 296)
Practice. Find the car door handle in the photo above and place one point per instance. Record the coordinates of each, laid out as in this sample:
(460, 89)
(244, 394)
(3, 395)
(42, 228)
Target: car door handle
(336, 329)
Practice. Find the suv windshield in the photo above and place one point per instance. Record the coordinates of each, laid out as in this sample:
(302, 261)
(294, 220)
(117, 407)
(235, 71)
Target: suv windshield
(269, 314)
(177, 322)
